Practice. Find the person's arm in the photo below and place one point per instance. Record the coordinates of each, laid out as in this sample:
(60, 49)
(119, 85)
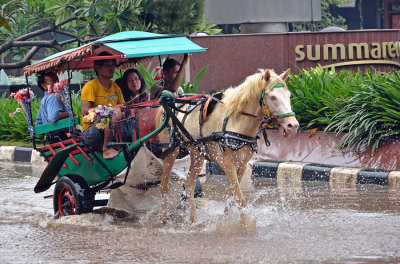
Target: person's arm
(155, 90)
(87, 98)
(63, 115)
(178, 78)
(38, 120)
(55, 110)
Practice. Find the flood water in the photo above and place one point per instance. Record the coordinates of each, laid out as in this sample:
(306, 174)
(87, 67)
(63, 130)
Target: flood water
(283, 223)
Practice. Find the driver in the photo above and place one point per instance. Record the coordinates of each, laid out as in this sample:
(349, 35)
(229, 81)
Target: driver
(172, 73)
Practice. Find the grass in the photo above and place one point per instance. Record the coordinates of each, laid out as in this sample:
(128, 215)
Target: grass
(15, 143)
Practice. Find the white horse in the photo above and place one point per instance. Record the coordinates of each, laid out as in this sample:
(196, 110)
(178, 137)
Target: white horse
(238, 118)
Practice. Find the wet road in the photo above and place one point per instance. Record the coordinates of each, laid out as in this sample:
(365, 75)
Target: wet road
(284, 223)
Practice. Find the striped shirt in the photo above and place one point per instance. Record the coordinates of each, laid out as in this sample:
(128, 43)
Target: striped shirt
(50, 109)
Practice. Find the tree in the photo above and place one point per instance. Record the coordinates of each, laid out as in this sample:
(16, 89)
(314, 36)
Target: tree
(185, 16)
(48, 25)
(38, 24)
(327, 19)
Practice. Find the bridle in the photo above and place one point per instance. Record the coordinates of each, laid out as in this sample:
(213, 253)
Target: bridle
(263, 102)
(269, 119)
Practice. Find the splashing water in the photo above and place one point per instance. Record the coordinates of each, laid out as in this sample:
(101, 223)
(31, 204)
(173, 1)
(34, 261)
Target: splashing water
(307, 222)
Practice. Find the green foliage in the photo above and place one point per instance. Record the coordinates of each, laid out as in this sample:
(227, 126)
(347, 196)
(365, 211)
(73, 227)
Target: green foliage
(182, 16)
(319, 93)
(148, 75)
(193, 88)
(364, 106)
(22, 17)
(327, 19)
(98, 18)
(372, 114)
(16, 128)
(4, 23)
(76, 103)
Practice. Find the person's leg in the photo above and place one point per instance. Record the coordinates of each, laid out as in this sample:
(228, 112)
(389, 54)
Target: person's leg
(108, 153)
(94, 137)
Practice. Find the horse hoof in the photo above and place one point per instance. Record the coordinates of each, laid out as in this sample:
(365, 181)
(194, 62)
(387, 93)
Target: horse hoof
(163, 220)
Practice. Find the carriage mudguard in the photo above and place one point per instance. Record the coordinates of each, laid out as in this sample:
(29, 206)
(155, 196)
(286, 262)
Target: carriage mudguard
(52, 169)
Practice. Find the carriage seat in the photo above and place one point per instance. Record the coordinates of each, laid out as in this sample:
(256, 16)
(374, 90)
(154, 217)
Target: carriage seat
(56, 131)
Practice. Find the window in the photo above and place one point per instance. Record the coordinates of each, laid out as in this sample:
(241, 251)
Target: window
(388, 14)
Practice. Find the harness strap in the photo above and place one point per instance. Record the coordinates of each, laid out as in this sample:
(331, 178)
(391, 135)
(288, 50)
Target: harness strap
(239, 139)
(264, 123)
(188, 110)
(179, 125)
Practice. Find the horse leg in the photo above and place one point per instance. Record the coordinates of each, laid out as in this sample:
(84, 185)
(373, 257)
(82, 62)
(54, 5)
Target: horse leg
(196, 163)
(168, 163)
(234, 188)
(240, 172)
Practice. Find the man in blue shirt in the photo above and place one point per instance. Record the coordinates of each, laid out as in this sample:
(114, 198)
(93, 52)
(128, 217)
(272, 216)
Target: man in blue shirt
(51, 108)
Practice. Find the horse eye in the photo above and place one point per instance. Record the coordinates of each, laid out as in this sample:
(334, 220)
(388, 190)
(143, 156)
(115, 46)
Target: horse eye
(272, 97)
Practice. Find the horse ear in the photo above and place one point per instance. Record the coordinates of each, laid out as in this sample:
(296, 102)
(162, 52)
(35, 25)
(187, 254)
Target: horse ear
(284, 75)
(267, 75)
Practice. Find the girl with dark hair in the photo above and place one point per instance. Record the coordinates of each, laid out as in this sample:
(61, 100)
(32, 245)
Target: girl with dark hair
(133, 87)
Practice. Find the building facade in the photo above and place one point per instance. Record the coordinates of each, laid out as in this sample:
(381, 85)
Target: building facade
(370, 14)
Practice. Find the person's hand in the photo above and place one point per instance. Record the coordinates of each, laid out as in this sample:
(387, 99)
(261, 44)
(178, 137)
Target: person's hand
(186, 57)
(122, 106)
(118, 111)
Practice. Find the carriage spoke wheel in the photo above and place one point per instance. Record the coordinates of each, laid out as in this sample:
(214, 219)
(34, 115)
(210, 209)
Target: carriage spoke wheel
(72, 196)
(66, 202)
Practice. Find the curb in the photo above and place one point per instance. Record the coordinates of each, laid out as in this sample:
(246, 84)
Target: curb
(20, 154)
(267, 169)
(300, 171)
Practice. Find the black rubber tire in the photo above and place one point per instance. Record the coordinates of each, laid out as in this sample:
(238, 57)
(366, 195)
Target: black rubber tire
(72, 196)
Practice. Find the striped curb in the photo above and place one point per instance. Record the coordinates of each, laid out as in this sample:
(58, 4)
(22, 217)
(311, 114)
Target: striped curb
(268, 169)
(299, 171)
(20, 154)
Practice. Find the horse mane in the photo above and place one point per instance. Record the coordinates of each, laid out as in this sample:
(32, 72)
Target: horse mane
(237, 99)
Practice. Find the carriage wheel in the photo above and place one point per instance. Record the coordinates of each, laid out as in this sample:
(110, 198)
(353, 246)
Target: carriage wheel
(72, 196)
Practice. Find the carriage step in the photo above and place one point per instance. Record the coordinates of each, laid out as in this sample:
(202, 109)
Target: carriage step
(101, 202)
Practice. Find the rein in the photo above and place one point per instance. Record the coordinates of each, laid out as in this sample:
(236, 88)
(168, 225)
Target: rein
(230, 139)
(269, 119)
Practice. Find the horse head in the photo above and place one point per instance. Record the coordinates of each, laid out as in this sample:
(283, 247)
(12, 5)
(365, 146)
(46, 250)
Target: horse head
(275, 101)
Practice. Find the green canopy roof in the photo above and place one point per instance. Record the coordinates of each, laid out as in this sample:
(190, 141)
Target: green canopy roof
(125, 46)
(136, 44)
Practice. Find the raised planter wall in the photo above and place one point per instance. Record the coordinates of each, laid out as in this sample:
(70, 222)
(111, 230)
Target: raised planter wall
(322, 149)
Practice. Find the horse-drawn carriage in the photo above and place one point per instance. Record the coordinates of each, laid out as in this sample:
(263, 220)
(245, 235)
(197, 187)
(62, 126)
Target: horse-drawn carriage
(79, 171)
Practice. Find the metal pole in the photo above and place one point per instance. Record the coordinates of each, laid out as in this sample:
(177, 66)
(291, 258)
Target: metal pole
(29, 114)
(69, 90)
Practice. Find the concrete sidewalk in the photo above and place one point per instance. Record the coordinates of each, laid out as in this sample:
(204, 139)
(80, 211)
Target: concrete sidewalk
(263, 169)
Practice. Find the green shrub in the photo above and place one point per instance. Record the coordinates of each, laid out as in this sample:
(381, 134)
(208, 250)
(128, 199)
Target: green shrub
(370, 115)
(193, 88)
(16, 128)
(364, 106)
